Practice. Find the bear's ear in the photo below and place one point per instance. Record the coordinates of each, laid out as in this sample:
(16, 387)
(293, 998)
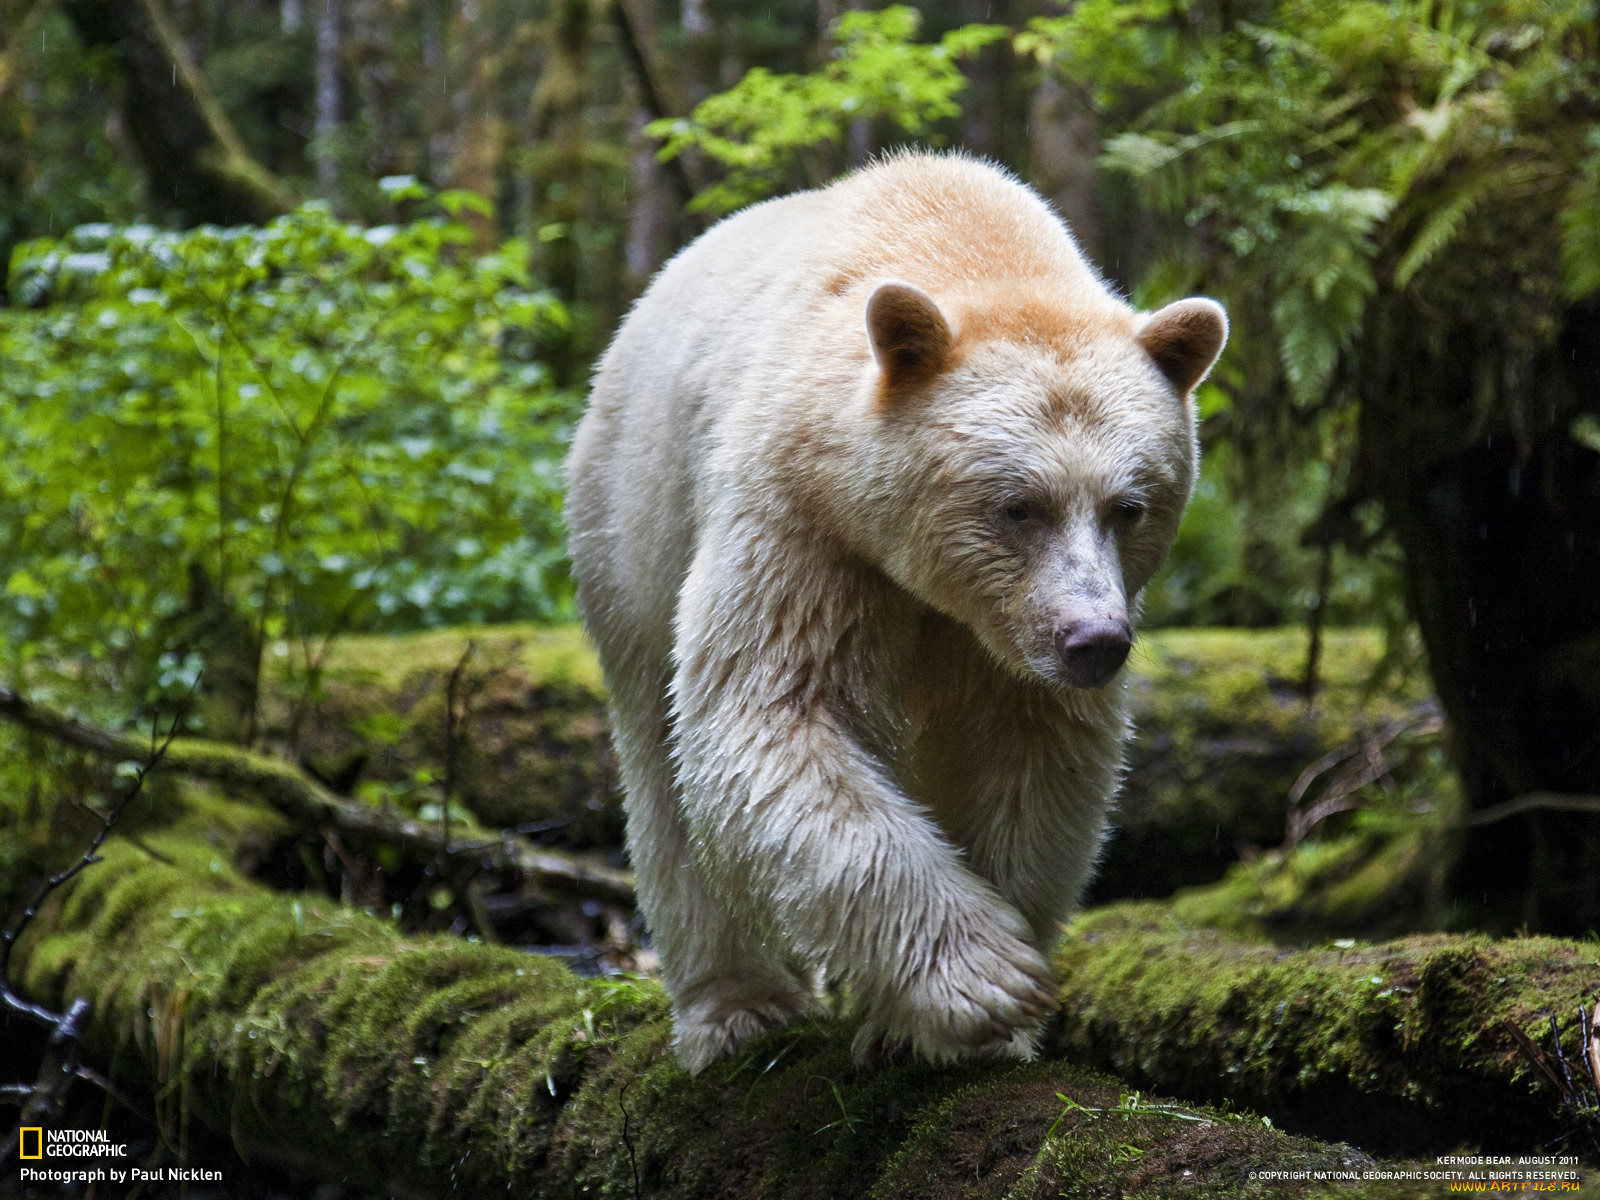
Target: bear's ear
(910, 337)
(1184, 339)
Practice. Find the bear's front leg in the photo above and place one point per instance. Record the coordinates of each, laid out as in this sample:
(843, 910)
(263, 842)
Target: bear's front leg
(804, 831)
(1021, 778)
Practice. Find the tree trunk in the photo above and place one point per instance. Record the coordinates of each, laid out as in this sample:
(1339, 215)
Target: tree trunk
(438, 120)
(858, 139)
(480, 132)
(986, 124)
(319, 1039)
(1472, 439)
(1063, 143)
(16, 40)
(329, 98)
(658, 98)
(194, 159)
(699, 50)
(384, 83)
(650, 209)
(557, 122)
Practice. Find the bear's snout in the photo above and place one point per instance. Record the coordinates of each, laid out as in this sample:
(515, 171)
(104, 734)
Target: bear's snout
(1092, 649)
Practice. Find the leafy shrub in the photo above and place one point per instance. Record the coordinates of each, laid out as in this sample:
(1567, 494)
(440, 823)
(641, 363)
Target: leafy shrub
(225, 442)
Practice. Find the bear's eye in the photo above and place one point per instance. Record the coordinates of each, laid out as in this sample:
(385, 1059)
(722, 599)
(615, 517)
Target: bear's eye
(1127, 511)
(1018, 511)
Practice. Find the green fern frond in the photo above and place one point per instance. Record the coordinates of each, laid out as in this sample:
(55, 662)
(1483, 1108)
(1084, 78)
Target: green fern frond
(1580, 235)
(1439, 229)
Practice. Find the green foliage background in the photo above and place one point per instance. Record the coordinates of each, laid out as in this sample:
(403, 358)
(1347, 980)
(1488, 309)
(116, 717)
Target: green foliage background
(260, 437)
(759, 126)
(269, 435)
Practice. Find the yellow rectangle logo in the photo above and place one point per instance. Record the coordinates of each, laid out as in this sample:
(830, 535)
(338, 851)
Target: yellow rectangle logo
(38, 1142)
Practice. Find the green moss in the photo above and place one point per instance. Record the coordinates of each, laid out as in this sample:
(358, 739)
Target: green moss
(1042, 1131)
(1222, 731)
(312, 1034)
(1396, 1044)
(1216, 679)
(553, 656)
(1368, 883)
(531, 737)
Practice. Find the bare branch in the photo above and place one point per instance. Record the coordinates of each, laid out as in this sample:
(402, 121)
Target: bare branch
(1532, 802)
(1359, 763)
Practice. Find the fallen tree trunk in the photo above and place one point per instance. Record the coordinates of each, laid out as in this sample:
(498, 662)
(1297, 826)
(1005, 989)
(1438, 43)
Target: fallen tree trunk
(302, 798)
(1396, 1046)
(321, 1040)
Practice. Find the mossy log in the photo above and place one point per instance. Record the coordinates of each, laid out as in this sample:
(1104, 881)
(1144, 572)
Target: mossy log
(529, 741)
(1382, 880)
(307, 801)
(320, 1039)
(1394, 1045)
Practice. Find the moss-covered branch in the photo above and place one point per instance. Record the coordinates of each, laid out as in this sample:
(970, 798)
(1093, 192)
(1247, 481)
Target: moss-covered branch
(305, 800)
(1398, 1044)
(319, 1038)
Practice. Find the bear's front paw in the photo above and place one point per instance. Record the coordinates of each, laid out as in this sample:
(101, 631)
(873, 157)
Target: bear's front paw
(712, 1029)
(983, 995)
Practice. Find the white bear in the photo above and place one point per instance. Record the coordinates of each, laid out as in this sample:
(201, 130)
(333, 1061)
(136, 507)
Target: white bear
(869, 483)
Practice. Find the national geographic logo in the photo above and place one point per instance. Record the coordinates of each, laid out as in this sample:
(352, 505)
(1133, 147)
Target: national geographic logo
(36, 1142)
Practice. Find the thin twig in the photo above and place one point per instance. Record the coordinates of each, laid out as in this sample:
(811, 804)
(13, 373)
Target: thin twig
(1561, 1058)
(1579, 1106)
(1532, 802)
(627, 1140)
(1534, 1055)
(90, 1075)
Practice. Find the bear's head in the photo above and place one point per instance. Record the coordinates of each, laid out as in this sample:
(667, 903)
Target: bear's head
(1032, 461)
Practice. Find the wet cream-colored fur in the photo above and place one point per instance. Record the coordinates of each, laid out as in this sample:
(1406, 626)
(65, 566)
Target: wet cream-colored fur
(853, 471)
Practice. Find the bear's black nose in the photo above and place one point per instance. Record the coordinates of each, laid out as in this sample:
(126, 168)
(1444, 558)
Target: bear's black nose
(1093, 649)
